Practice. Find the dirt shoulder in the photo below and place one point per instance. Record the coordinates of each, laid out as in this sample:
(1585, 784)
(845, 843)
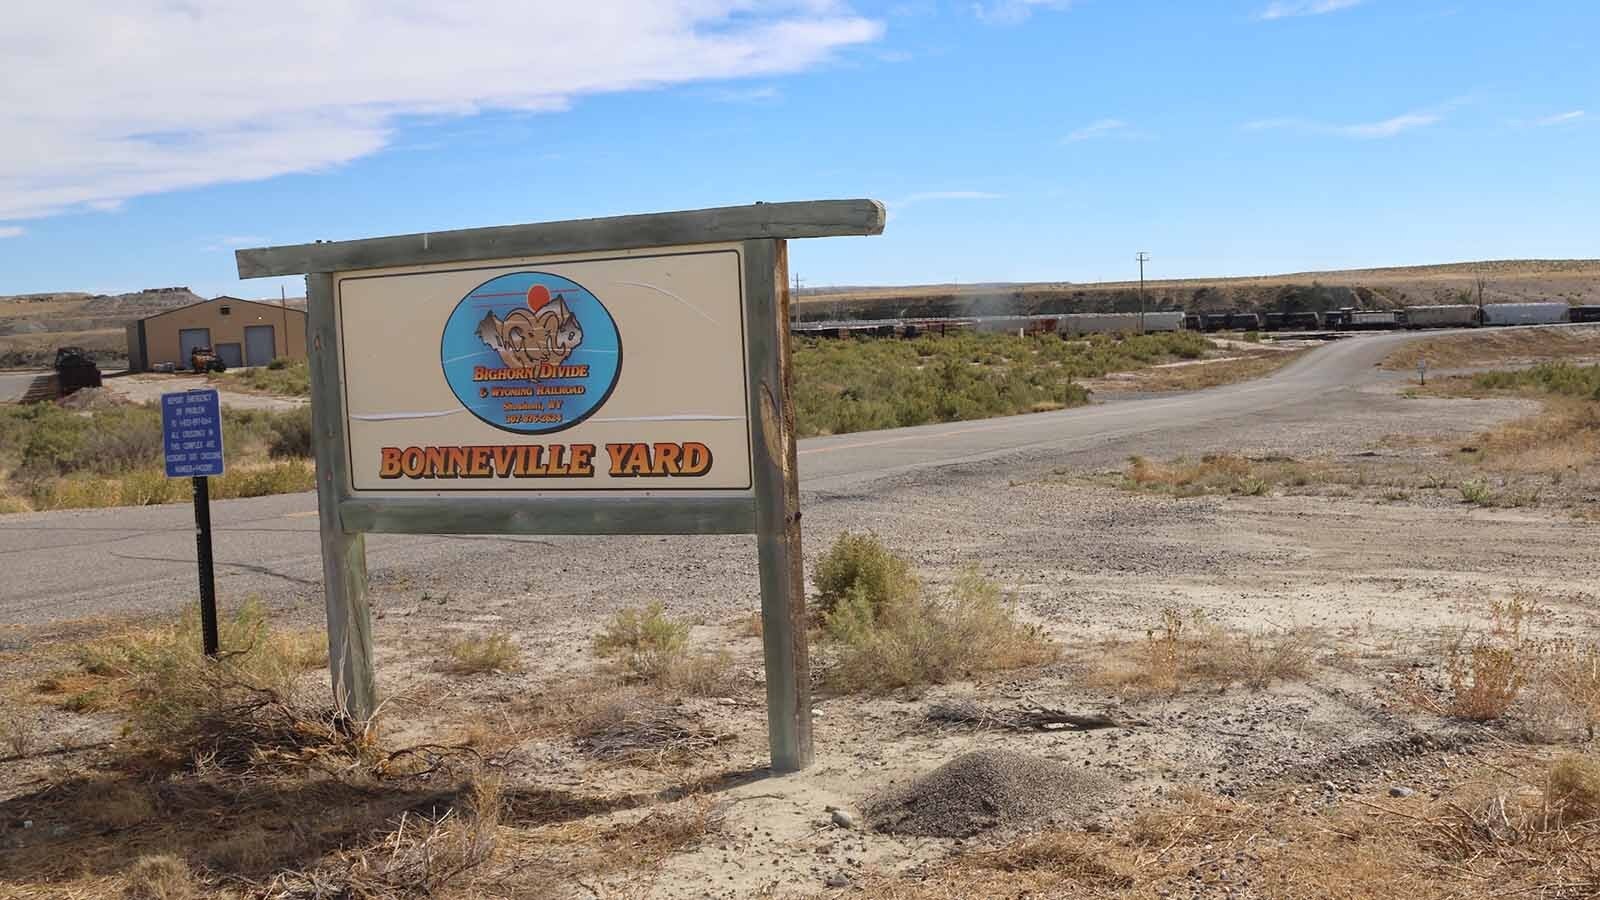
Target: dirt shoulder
(148, 387)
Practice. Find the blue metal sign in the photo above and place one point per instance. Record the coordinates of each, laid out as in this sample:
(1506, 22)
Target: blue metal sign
(191, 422)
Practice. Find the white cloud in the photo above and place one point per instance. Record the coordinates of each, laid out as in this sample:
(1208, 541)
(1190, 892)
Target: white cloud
(745, 95)
(1103, 128)
(1560, 118)
(1013, 12)
(102, 104)
(1283, 9)
(1363, 130)
(11, 231)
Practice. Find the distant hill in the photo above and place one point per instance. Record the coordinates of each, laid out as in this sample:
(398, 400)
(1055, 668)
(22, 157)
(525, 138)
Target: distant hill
(33, 325)
(1574, 281)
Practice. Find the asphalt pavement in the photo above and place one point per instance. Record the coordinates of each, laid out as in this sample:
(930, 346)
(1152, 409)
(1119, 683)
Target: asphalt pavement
(56, 566)
(14, 384)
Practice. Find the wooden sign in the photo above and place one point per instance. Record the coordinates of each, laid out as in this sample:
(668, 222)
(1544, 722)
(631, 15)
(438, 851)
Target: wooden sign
(627, 375)
(616, 373)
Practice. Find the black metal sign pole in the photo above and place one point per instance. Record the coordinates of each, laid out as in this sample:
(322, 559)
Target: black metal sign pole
(202, 543)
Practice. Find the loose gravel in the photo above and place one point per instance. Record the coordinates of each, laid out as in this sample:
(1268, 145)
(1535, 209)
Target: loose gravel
(984, 790)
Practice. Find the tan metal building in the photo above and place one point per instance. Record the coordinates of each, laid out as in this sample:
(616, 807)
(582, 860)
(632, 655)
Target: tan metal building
(240, 332)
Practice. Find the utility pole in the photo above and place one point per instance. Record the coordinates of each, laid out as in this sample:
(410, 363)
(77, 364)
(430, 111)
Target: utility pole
(1143, 258)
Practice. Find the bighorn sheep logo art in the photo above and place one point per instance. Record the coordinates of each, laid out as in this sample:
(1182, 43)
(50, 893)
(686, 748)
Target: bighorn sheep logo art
(545, 333)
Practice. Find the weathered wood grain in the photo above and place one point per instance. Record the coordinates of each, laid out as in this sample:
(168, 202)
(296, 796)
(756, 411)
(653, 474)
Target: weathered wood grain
(813, 218)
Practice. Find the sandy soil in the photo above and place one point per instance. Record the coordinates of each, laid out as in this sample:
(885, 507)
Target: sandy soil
(148, 388)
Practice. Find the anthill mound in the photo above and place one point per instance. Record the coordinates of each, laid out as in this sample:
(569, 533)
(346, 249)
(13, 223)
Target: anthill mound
(987, 789)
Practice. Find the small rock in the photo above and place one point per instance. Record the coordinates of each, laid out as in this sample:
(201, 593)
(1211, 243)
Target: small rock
(1399, 791)
(843, 819)
(837, 880)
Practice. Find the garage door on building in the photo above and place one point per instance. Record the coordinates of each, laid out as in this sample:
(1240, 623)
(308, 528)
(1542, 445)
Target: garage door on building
(260, 345)
(232, 355)
(188, 340)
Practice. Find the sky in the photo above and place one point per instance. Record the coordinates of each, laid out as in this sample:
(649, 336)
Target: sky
(1012, 140)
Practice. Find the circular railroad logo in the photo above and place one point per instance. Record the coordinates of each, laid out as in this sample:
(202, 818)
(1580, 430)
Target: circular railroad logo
(531, 352)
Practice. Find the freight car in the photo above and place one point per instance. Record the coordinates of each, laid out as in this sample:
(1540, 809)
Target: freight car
(1372, 319)
(1524, 313)
(1215, 321)
(1294, 321)
(1118, 323)
(1584, 314)
(1244, 321)
(1452, 316)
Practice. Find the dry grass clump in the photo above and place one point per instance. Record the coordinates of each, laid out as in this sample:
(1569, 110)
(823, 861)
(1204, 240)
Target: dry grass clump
(644, 642)
(884, 641)
(860, 566)
(1573, 789)
(1503, 667)
(664, 830)
(18, 733)
(1070, 856)
(160, 877)
(1563, 439)
(1573, 670)
(633, 726)
(648, 647)
(1184, 652)
(434, 849)
(161, 679)
(1218, 473)
(1485, 671)
(493, 652)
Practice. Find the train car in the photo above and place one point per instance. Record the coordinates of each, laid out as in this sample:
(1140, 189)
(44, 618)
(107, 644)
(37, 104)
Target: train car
(1584, 314)
(1193, 321)
(1373, 319)
(1460, 315)
(1291, 321)
(1118, 323)
(1244, 321)
(1524, 313)
(1216, 321)
(1336, 319)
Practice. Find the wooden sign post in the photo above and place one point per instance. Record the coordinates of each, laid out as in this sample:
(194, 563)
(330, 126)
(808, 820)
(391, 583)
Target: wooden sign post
(627, 375)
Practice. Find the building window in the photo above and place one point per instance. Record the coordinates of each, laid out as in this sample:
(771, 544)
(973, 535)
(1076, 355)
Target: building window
(227, 310)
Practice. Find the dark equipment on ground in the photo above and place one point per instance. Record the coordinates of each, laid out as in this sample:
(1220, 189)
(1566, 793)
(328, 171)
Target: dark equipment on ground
(75, 370)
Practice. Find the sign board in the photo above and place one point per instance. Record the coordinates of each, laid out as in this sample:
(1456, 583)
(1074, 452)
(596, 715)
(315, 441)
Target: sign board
(191, 428)
(604, 372)
(627, 375)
